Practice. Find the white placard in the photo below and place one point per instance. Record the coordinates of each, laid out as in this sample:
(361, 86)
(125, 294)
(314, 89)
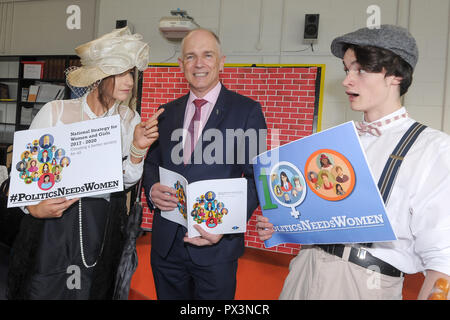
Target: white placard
(73, 160)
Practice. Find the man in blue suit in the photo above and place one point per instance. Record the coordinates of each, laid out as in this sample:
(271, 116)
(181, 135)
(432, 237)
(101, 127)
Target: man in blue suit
(201, 267)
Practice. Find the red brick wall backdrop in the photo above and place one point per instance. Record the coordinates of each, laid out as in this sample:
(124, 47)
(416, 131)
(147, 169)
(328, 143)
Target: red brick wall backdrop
(288, 95)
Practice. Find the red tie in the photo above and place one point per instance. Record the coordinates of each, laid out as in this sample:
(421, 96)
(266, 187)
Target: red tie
(193, 129)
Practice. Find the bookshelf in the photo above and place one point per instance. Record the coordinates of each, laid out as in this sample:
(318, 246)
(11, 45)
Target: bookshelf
(17, 75)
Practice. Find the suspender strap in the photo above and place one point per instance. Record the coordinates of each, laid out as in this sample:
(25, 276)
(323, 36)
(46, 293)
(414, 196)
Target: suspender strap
(392, 166)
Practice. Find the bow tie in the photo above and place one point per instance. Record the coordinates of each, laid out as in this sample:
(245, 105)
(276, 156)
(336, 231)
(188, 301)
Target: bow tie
(373, 128)
(367, 128)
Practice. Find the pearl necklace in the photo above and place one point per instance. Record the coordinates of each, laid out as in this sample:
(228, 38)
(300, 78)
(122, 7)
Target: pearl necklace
(80, 224)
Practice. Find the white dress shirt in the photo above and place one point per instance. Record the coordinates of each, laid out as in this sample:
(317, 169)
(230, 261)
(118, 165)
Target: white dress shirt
(211, 97)
(417, 208)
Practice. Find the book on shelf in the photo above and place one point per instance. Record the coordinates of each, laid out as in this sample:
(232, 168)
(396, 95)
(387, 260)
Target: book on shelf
(10, 115)
(54, 68)
(24, 94)
(43, 92)
(4, 91)
(49, 92)
(74, 63)
(26, 116)
(32, 93)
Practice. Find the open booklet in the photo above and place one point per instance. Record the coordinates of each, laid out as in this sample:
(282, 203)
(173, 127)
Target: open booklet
(319, 190)
(219, 206)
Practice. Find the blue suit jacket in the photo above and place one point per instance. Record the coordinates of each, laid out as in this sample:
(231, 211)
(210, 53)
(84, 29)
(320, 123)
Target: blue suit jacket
(232, 111)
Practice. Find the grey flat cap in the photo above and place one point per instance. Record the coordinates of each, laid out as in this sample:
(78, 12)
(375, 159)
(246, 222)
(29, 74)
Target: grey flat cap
(389, 37)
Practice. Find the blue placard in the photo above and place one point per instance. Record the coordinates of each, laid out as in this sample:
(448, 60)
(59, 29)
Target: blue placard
(319, 190)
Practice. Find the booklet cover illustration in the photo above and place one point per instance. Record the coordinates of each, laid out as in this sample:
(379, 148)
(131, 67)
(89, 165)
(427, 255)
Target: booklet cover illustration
(319, 190)
(42, 162)
(66, 161)
(218, 206)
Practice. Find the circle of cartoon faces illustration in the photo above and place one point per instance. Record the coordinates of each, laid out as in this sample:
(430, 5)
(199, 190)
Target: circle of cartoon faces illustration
(287, 185)
(42, 162)
(330, 175)
(181, 198)
(209, 210)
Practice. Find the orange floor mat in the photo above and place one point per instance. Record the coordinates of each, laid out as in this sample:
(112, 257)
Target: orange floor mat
(260, 275)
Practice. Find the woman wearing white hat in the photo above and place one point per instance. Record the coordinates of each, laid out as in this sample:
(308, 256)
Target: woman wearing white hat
(69, 250)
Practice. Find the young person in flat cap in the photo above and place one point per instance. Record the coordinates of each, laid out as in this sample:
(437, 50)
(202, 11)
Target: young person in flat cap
(379, 64)
(59, 233)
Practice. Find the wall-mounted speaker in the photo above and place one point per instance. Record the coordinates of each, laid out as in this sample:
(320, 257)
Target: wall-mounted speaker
(311, 31)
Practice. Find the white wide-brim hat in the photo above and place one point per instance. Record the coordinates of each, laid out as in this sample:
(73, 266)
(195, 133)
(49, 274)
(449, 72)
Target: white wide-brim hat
(111, 54)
